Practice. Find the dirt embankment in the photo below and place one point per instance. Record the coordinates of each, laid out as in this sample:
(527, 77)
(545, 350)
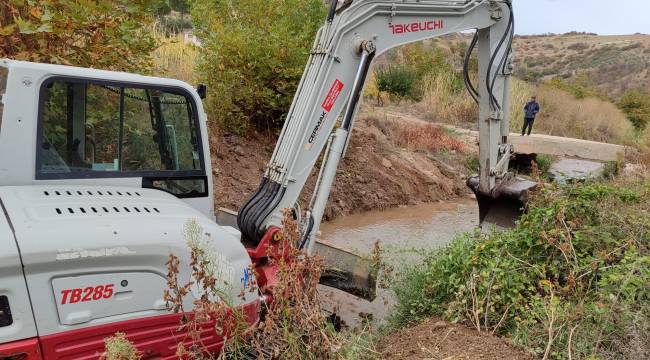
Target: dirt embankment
(437, 340)
(377, 172)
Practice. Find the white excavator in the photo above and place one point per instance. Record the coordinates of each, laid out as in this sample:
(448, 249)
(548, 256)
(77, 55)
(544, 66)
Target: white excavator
(101, 171)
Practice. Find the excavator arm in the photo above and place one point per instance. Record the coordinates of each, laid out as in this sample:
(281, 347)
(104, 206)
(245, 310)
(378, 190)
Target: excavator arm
(323, 111)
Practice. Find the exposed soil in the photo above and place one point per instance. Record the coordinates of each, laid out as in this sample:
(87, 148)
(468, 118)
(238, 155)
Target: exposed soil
(437, 340)
(375, 174)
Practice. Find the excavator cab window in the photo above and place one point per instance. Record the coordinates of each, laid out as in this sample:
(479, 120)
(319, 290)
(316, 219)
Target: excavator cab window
(99, 129)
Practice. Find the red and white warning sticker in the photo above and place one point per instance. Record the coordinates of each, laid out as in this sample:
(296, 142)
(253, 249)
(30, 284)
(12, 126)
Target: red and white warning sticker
(333, 94)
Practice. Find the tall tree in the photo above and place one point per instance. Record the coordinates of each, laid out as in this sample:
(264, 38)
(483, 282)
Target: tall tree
(253, 55)
(106, 34)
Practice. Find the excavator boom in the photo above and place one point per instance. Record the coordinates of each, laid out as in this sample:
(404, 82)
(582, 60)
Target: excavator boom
(322, 114)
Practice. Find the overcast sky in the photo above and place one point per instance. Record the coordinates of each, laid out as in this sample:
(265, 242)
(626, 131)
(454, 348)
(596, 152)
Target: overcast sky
(605, 17)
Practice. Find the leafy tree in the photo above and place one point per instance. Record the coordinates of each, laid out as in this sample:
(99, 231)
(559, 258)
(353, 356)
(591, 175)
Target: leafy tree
(636, 106)
(254, 53)
(106, 34)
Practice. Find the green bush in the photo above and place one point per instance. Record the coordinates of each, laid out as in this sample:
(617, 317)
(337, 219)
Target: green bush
(575, 271)
(399, 81)
(636, 106)
(579, 86)
(254, 53)
(105, 34)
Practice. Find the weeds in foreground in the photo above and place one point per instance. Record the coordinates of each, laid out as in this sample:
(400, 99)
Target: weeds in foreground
(118, 347)
(571, 281)
(293, 326)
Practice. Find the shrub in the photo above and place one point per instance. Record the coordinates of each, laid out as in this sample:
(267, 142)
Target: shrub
(578, 86)
(112, 35)
(570, 279)
(118, 347)
(254, 53)
(579, 46)
(636, 106)
(399, 81)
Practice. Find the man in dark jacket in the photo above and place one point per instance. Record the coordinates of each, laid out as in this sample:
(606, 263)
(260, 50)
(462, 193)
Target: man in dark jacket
(530, 111)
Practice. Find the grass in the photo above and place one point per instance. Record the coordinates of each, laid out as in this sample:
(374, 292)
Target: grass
(564, 115)
(441, 103)
(544, 162)
(416, 136)
(175, 58)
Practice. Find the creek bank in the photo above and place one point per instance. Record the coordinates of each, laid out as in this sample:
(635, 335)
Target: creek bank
(376, 174)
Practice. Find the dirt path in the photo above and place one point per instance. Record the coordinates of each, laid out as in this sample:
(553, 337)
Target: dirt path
(438, 340)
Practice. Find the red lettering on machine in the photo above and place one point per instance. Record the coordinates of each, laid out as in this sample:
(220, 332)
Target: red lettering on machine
(417, 26)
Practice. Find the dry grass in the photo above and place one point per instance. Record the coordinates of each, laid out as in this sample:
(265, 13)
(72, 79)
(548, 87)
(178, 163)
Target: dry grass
(428, 137)
(118, 347)
(174, 58)
(564, 115)
(441, 104)
(416, 136)
(294, 325)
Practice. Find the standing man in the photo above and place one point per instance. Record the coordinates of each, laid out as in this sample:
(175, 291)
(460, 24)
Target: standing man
(530, 111)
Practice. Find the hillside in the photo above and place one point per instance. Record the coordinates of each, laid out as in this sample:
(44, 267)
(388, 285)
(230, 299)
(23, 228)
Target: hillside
(611, 63)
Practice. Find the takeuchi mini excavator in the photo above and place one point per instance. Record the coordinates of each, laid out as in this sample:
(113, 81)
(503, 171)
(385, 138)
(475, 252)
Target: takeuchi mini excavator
(100, 172)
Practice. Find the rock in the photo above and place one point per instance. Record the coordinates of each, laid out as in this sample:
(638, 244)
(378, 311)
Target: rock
(386, 163)
(567, 170)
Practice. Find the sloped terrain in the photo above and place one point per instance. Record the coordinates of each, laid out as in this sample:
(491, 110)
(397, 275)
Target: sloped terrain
(612, 63)
(376, 174)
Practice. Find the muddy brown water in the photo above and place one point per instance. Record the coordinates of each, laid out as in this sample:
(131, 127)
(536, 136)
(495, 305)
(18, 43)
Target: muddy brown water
(404, 234)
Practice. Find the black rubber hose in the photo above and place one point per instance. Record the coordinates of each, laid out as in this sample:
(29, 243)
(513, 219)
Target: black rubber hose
(256, 213)
(269, 208)
(503, 61)
(332, 12)
(489, 82)
(512, 35)
(245, 214)
(305, 236)
(247, 204)
(468, 81)
(249, 221)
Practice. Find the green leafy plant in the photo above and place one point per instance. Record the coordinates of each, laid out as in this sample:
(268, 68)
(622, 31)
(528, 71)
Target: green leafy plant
(253, 55)
(636, 106)
(399, 81)
(570, 280)
(113, 35)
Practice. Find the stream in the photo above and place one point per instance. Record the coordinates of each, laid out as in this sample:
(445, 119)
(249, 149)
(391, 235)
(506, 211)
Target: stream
(404, 235)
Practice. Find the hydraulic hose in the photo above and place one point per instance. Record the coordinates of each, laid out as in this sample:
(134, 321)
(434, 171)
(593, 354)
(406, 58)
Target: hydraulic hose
(468, 81)
(494, 104)
(332, 12)
(250, 202)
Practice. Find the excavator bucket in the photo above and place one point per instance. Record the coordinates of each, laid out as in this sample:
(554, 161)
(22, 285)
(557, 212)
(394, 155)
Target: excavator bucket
(347, 272)
(507, 202)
